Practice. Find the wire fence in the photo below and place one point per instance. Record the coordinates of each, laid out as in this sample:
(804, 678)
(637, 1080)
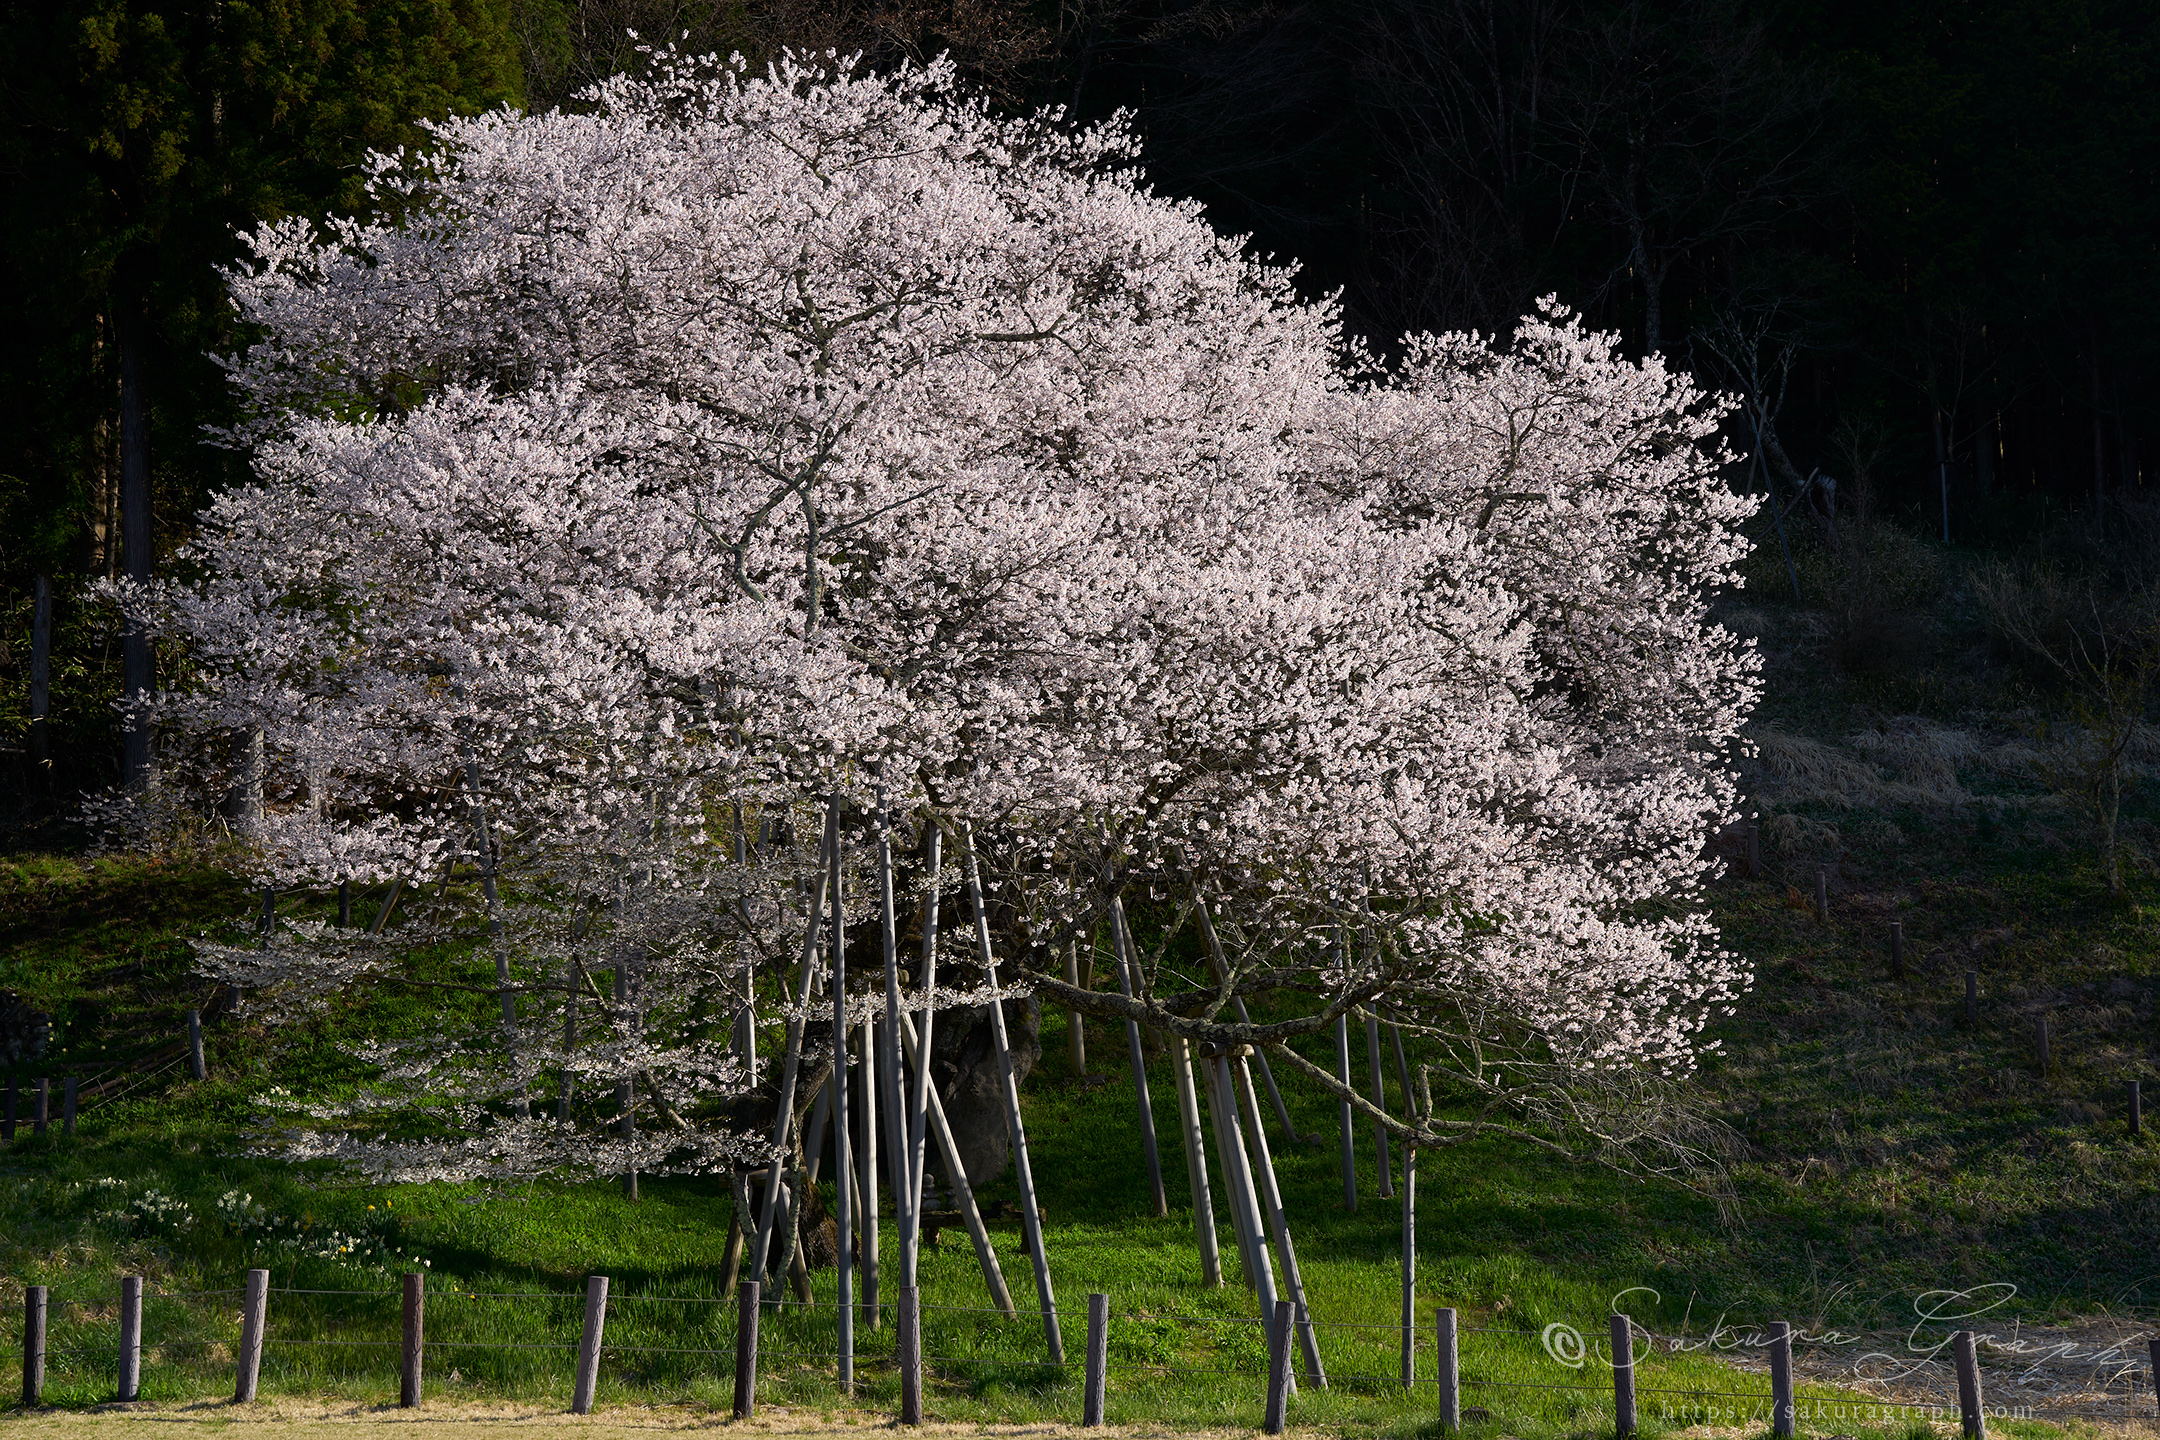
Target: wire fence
(184, 1342)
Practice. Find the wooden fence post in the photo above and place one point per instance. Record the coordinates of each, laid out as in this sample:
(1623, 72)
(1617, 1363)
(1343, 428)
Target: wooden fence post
(1972, 996)
(1968, 1380)
(1781, 1389)
(130, 1387)
(1445, 1372)
(254, 1318)
(746, 1325)
(1754, 852)
(588, 1354)
(68, 1090)
(41, 1110)
(409, 1357)
(2152, 1348)
(33, 1346)
(196, 1067)
(908, 1342)
(7, 1116)
(1897, 949)
(2040, 1042)
(2137, 1109)
(1278, 1367)
(1623, 1376)
(1822, 897)
(1098, 1360)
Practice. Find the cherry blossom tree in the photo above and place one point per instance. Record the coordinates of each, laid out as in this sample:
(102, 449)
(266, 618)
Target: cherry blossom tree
(750, 441)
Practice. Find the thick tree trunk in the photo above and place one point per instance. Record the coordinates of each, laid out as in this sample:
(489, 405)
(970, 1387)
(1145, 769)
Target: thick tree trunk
(135, 677)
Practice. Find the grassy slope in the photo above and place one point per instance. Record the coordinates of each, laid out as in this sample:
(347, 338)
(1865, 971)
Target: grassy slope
(1891, 1150)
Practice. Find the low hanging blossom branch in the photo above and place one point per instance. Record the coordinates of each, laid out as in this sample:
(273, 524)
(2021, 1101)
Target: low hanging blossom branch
(747, 440)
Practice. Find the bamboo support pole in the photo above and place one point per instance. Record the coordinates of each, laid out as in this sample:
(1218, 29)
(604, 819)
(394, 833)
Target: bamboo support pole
(1128, 978)
(1030, 1211)
(1196, 1173)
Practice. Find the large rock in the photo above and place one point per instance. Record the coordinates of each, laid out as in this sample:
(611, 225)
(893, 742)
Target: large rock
(964, 1066)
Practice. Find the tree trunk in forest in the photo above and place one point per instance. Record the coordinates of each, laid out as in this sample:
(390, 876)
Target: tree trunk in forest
(135, 676)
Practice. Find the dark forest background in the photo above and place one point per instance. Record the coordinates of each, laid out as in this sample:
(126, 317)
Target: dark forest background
(1917, 239)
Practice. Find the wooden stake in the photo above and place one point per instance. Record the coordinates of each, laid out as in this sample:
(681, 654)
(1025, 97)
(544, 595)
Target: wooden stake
(1968, 1383)
(33, 1352)
(1278, 1383)
(588, 1355)
(1446, 1373)
(1623, 1376)
(130, 1387)
(2137, 1110)
(1897, 949)
(1822, 897)
(68, 1088)
(409, 1355)
(1754, 852)
(1972, 996)
(1030, 1212)
(1781, 1387)
(907, 1348)
(1196, 1175)
(254, 1318)
(746, 1338)
(1098, 1356)
(7, 1115)
(1128, 976)
(2040, 1042)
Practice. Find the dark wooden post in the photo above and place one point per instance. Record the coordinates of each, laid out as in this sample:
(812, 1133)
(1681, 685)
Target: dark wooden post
(1822, 897)
(588, 1355)
(1897, 949)
(1754, 852)
(33, 1346)
(409, 1357)
(2137, 1108)
(68, 1089)
(2040, 1042)
(196, 1067)
(1972, 996)
(746, 1323)
(2152, 1348)
(1781, 1389)
(41, 1108)
(1098, 1360)
(130, 1387)
(1278, 1367)
(344, 904)
(7, 1117)
(909, 1345)
(254, 1318)
(1968, 1382)
(1446, 1373)
(1623, 1376)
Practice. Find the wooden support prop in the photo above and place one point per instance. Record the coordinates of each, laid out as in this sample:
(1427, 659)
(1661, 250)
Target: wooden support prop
(791, 1065)
(1781, 1390)
(344, 904)
(2137, 1107)
(254, 1320)
(907, 1347)
(130, 1386)
(1822, 897)
(918, 1159)
(1346, 1122)
(746, 1328)
(963, 1193)
(409, 1356)
(1623, 1376)
(1409, 1266)
(1196, 1174)
(1128, 978)
(1379, 1100)
(1075, 1023)
(1024, 1170)
(196, 1065)
(41, 1107)
(2040, 1042)
(1972, 996)
(884, 1036)
(732, 1253)
(1243, 1191)
(1754, 852)
(1445, 1371)
(1278, 1367)
(588, 1350)
(382, 916)
(1897, 949)
(1218, 1117)
(843, 1149)
(1098, 1360)
(33, 1346)
(7, 1115)
(1279, 1228)
(868, 1253)
(68, 1091)
(1968, 1382)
